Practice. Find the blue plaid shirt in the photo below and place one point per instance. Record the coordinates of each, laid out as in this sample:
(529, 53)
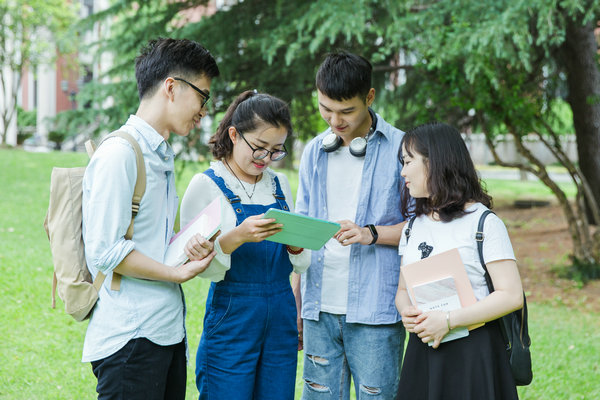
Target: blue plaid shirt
(373, 270)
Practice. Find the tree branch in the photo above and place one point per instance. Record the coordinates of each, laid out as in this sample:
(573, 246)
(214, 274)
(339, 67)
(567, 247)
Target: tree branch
(391, 68)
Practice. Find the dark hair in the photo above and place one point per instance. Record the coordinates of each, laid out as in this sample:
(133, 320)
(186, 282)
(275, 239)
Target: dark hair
(343, 75)
(161, 58)
(246, 112)
(451, 177)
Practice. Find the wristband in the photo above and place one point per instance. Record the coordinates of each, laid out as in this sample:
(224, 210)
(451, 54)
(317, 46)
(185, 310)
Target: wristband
(373, 233)
(294, 252)
(448, 320)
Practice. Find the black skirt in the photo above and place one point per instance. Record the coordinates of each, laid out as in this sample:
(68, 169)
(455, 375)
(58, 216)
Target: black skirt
(475, 367)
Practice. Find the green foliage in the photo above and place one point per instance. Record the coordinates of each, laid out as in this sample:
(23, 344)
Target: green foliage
(580, 271)
(498, 58)
(25, 30)
(26, 119)
(26, 122)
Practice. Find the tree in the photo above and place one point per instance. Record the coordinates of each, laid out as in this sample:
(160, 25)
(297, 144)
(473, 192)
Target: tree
(510, 61)
(256, 44)
(496, 65)
(30, 32)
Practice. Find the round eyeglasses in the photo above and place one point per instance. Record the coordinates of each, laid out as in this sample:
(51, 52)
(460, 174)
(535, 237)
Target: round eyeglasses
(260, 153)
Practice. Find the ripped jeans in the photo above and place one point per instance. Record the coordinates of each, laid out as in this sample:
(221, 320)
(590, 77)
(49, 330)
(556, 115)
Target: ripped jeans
(335, 350)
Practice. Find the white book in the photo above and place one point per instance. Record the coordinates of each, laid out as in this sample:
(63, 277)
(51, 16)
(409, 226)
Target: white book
(439, 295)
(206, 223)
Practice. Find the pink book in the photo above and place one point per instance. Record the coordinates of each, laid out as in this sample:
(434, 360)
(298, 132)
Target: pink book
(437, 268)
(206, 223)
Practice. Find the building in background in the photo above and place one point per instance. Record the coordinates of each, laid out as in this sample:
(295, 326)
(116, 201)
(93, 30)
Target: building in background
(54, 86)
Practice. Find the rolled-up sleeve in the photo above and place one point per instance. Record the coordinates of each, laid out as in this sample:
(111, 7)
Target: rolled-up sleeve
(106, 204)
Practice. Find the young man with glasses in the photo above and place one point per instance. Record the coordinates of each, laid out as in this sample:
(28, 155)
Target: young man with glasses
(136, 340)
(248, 348)
(350, 174)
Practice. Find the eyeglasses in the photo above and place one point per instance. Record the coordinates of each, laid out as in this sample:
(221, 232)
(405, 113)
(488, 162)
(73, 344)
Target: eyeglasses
(205, 96)
(260, 152)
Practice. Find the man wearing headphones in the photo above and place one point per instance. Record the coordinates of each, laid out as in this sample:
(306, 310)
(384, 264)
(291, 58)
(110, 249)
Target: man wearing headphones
(350, 174)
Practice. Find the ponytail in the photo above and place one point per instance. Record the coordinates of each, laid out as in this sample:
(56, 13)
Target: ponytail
(220, 144)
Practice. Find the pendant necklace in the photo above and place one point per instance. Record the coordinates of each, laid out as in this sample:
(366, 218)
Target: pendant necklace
(238, 179)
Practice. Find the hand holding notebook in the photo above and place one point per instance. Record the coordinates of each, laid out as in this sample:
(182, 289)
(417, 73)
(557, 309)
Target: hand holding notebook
(207, 223)
(301, 231)
(440, 282)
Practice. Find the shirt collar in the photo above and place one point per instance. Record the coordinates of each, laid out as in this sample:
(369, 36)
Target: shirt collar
(154, 139)
(381, 128)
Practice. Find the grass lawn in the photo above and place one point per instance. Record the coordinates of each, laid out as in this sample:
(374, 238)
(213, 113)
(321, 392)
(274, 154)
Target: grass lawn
(41, 350)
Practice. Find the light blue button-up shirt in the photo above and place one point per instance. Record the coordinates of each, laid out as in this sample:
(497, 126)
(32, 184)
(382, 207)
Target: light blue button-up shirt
(141, 308)
(373, 270)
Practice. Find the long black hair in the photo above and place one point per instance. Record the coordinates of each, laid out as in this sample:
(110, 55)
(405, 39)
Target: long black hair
(451, 177)
(246, 112)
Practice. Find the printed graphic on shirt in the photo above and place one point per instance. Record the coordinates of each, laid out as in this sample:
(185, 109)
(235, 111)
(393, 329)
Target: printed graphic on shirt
(425, 250)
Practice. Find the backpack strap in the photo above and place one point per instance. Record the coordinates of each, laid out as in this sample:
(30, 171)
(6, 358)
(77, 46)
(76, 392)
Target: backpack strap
(479, 236)
(411, 221)
(524, 331)
(138, 193)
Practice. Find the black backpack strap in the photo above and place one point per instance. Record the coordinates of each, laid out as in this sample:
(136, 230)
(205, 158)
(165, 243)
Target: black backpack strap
(523, 334)
(479, 236)
(411, 221)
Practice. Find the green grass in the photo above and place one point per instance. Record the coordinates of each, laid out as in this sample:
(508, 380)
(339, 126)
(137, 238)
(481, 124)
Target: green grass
(41, 348)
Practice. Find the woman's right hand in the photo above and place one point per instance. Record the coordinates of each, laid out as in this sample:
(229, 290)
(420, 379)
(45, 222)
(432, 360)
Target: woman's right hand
(409, 315)
(257, 229)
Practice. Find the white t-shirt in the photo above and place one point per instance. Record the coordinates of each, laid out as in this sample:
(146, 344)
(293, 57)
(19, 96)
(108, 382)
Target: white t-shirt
(202, 190)
(344, 174)
(429, 237)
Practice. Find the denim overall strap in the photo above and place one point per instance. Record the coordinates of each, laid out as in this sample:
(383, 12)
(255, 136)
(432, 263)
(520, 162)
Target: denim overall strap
(233, 198)
(279, 197)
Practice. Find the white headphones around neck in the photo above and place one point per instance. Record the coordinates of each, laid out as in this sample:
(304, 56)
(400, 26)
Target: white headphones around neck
(358, 146)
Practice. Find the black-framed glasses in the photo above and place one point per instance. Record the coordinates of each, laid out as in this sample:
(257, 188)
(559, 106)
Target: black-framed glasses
(259, 153)
(204, 95)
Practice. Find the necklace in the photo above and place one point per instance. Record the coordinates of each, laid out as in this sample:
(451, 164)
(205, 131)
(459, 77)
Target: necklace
(238, 179)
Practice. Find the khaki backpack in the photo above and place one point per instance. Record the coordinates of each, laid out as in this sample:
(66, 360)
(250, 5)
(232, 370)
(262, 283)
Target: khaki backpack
(63, 226)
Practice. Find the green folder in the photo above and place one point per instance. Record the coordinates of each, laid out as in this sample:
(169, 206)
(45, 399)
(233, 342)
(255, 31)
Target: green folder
(301, 231)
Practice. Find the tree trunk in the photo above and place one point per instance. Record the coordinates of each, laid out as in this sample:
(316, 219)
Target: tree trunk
(583, 81)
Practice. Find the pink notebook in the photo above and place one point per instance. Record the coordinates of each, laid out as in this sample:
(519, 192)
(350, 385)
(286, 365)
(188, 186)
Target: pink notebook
(206, 223)
(437, 268)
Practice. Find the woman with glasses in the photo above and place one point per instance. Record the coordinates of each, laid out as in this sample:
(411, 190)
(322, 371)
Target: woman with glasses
(249, 343)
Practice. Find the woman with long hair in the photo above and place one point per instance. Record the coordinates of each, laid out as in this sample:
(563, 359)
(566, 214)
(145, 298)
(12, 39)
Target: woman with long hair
(447, 200)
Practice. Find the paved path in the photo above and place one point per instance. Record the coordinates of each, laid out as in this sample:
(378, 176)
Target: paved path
(516, 175)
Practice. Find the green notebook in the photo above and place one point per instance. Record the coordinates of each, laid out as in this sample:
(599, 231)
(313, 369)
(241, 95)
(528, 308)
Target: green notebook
(301, 231)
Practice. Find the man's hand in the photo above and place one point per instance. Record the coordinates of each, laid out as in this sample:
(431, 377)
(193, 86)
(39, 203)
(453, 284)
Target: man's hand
(350, 233)
(192, 268)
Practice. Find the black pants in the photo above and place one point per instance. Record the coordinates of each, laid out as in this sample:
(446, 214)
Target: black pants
(142, 370)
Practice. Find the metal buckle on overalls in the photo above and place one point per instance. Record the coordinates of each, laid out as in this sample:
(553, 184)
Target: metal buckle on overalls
(235, 199)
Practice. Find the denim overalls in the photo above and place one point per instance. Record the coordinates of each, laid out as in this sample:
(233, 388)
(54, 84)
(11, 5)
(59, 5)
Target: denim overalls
(248, 348)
